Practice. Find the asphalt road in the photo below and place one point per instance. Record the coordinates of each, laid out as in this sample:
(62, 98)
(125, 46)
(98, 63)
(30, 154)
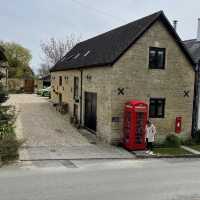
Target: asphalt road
(177, 179)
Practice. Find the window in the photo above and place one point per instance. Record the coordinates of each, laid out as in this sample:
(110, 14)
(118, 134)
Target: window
(87, 53)
(60, 80)
(76, 83)
(77, 55)
(69, 58)
(157, 108)
(156, 58)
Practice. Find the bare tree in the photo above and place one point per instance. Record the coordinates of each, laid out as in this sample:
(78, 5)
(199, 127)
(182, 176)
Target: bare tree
(55, 49)
(43, 70)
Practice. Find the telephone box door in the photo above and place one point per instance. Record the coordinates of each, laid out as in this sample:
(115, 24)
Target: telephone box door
(135, 118)
(140, 122)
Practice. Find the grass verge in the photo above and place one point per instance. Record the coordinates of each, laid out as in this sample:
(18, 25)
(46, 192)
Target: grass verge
(195, 146)
(172, 151)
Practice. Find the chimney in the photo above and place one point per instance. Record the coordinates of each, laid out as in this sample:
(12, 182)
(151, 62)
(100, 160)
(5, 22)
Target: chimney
(175, 22)
(198, 30)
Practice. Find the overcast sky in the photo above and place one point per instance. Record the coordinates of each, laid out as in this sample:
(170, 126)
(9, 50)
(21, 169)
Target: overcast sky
(30, 21)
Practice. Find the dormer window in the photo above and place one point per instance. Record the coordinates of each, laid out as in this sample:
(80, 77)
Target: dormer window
(77, 55)
(87, 53)
(69, 57)
(156, 58)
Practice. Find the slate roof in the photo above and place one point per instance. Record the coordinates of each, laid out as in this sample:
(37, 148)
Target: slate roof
(106, 49)
(194, 49)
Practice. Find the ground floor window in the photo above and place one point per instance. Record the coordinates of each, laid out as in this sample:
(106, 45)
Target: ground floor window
(157, 108)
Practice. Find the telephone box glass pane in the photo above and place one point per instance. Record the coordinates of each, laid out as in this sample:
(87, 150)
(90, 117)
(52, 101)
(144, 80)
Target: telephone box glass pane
(139, 127)
(128, 125)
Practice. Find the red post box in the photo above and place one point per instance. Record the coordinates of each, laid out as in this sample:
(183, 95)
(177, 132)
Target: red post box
(135, 119)
(178, 124)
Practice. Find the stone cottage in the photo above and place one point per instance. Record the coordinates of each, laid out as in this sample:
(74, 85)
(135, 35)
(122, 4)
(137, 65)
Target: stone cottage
(143, 60)
(193, 46)
(44, 82)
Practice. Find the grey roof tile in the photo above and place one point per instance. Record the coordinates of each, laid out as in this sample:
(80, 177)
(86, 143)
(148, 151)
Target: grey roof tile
(194, 48)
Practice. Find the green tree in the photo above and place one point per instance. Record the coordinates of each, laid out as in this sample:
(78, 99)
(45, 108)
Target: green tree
(18, 60)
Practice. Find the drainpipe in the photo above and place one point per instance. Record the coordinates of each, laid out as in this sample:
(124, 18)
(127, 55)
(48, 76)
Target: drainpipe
(81, 97)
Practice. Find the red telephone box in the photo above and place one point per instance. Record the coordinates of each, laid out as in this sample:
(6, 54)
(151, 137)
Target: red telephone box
(135, 119)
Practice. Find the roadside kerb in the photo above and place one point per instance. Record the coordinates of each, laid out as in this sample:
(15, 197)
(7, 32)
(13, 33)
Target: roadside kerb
(190, 150)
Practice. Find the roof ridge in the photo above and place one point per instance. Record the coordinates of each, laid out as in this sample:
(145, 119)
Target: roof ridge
(157, 14)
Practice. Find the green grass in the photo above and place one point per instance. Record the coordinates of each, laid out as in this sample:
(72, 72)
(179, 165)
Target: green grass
(176, 151)
(195, 147)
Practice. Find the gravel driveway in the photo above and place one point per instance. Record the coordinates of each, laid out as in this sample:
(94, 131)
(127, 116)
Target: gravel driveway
(41, 125)
(50, 136)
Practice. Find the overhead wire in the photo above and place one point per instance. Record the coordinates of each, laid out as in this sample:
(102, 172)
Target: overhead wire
(101, 12)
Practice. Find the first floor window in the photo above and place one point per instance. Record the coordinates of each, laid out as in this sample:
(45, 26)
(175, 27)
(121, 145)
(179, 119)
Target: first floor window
(157, 108)
(156, 58)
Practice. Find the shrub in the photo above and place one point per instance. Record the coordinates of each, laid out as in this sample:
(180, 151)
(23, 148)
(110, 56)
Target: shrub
(7, 115)
(188, 142)
(6, 132)
(3, 94)
(172, 141)
(9, 145)
(9, 149)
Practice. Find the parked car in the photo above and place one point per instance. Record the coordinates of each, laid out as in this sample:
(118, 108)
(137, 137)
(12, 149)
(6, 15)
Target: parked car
(46, 92)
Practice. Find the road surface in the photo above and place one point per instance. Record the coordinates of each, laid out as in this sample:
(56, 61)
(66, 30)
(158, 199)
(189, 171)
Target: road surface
(169, 179)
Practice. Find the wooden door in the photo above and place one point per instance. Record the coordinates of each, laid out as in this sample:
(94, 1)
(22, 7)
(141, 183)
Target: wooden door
(90, 110)
(28, 86)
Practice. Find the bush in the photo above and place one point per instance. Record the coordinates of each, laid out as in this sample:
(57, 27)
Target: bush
(9, 149)
(188, 142)
(6, 132)
(7, 115)
(3, 94)
(172, 141)
(9, 145)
